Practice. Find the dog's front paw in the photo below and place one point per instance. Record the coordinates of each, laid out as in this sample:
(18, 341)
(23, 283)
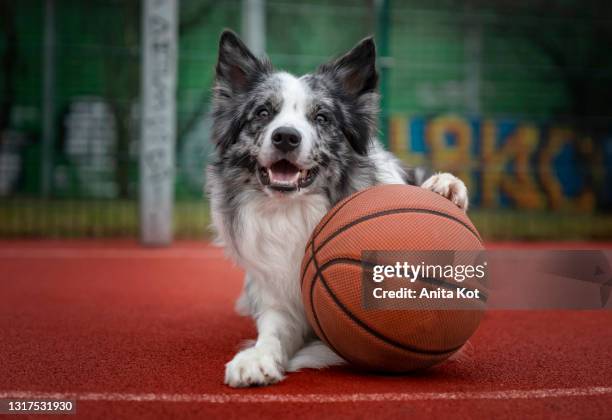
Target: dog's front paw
(448, 186)
(253, 366)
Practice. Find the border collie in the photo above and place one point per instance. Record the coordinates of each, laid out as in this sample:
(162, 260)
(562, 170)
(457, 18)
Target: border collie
(287, 149)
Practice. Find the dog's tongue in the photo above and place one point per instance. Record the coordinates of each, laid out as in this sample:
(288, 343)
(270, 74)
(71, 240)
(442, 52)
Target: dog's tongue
(284, 172)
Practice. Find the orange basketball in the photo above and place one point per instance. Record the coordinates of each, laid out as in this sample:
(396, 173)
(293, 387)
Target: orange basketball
(385, 218)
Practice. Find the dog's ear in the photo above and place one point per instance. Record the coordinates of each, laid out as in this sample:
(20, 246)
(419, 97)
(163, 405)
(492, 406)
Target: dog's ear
(356, 80)
(236, 64)
(356, 70)
(237, 70)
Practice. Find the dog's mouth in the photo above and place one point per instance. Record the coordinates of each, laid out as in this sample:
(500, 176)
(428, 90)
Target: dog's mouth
(284, 176)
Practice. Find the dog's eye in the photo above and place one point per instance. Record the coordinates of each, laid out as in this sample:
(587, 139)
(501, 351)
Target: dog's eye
(321, 119)
(263, 113)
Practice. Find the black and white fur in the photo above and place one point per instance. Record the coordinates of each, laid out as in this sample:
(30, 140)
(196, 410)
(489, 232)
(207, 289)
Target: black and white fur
(287, 149)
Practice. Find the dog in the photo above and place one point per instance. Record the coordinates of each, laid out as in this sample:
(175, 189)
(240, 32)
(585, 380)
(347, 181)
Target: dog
(287, 149)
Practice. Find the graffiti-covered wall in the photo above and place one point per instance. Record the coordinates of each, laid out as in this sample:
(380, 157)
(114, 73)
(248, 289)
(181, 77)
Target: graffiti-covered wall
(509, 163)
(437, 66)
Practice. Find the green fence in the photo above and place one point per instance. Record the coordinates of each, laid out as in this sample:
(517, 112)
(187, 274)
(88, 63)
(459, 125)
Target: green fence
(530, 63)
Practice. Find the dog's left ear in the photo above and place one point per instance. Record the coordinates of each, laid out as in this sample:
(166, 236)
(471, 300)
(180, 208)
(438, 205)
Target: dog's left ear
(356, 79)
(356, 70)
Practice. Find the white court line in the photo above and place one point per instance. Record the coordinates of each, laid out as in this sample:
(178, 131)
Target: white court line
(312, 398)
(73, 253)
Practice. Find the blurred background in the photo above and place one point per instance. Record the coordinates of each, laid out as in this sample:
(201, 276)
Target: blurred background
(514, 97)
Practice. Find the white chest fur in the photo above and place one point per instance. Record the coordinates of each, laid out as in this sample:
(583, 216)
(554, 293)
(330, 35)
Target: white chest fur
(270, 237)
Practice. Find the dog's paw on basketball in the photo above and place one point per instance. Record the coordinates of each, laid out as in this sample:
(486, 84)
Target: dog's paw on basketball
(449, 186)
(253, 367)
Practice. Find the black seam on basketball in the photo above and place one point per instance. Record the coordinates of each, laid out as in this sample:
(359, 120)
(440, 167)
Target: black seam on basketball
(348, 200)
(314, 311)
(430, 280)
(315, 233)
(319, 275)
(384, 213)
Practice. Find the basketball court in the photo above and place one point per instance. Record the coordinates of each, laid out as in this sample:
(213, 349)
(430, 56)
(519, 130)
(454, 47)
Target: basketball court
(128, 331)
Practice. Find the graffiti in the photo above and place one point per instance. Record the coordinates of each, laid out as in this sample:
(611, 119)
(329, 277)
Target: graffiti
(11, 161)
(89, 145)
(505, 163)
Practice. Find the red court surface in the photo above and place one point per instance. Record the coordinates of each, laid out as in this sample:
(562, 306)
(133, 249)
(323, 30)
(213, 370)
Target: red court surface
(145, 333)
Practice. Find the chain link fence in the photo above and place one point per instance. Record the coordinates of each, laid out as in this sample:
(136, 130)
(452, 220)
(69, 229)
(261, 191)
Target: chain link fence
(513, 97)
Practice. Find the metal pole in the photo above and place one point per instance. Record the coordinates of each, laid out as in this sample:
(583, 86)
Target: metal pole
(383, 29)
(254, 25)
(158, 122)
(48, 105)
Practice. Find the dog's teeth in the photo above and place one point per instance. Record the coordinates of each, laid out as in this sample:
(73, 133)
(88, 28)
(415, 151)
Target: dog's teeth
(283, 179)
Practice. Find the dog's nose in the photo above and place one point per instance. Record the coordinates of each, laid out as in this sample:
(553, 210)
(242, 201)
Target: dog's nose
(286, 139)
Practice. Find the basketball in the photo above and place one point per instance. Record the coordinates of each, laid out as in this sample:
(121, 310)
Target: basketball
(385, 218)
